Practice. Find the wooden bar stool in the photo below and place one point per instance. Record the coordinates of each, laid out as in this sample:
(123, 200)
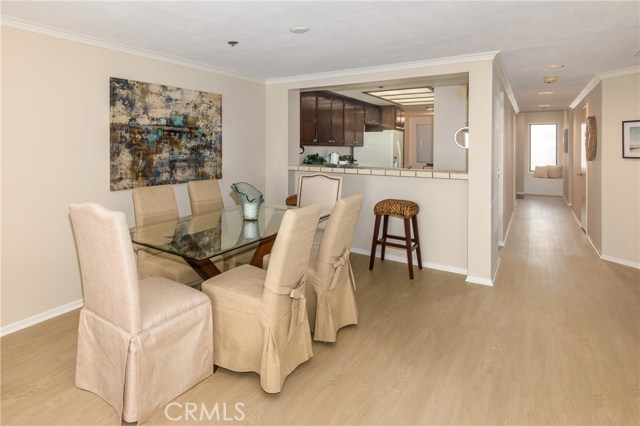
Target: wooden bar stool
(408, 210)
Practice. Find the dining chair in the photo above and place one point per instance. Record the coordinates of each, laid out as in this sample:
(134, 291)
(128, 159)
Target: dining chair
(260, 322)
(331, 285)
(204, 196)
(143, 342)
(152, 205)
(320, 189)
(317, 188)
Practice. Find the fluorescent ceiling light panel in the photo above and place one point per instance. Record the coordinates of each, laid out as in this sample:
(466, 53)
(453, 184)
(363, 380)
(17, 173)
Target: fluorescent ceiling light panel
(411, 96)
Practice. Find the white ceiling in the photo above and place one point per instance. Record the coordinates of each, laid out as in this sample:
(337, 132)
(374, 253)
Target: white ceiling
(588, 37)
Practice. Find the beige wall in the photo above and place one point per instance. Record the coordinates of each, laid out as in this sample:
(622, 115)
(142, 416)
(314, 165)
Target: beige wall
(55, 150)
(620, 176)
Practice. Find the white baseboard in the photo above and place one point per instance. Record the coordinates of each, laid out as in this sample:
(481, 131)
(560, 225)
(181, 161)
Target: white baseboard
(495, 271)
(624, 262)
(403, 259)
(506, 234)
(38, 318)
(479, 280)
(593, 245)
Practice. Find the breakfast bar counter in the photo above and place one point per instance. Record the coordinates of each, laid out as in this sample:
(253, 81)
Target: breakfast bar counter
(441, 196)
(380, 171)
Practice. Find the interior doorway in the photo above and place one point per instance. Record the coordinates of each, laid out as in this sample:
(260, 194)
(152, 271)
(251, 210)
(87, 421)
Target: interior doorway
(419, 141)
(581, 176)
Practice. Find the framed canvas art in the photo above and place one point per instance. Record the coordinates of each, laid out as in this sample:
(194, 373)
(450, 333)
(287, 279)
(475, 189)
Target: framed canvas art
(163, 135)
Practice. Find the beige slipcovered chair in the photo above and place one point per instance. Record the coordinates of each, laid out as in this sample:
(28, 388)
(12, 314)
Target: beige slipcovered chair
(260, 321)
(318, 188)
(204, 196)
(140, 343)
(152, 205)
(331, 287)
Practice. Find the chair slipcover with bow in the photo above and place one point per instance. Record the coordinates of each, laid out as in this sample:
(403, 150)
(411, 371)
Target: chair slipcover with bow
(140, 343)
(152, 205)
(331, 285)
(260, 322)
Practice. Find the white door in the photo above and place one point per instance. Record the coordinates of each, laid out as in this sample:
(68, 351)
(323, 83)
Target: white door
(419, 143)
(581, 178)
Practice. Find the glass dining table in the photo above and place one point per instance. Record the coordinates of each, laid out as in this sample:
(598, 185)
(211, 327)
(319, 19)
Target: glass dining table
(197, 239)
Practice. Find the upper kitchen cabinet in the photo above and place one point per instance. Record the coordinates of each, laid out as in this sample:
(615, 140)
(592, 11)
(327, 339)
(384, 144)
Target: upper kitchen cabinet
(371, 115)
(354, 113)
(329, 119)
(392, 117)
(308, 118)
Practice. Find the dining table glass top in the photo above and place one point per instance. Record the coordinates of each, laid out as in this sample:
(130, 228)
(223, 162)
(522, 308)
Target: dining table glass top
(204, 236)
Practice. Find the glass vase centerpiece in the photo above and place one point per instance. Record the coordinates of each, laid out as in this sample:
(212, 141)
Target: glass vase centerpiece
(250, 199)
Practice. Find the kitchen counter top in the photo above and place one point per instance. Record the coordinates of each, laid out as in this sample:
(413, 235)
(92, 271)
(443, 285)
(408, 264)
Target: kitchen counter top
(379, 171)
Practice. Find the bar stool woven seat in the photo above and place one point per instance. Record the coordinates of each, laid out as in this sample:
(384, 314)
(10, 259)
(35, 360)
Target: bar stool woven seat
(402, 208)
(408, 211)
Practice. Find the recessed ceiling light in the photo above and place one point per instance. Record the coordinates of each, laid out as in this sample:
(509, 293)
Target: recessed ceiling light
(554, 66)
(545, 93)
(550, 79)
(544, 106)
(299, 29)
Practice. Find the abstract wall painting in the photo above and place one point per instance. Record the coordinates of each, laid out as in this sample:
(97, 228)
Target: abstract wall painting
(163, 135)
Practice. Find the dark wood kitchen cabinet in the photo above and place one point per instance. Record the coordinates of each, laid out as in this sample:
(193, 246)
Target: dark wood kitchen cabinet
(308, 118)
(353, 122)
(329, 119)
(371, 114)
(392, 117)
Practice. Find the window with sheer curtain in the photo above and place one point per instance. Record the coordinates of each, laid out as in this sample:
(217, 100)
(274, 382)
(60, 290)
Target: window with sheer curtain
(543, 140)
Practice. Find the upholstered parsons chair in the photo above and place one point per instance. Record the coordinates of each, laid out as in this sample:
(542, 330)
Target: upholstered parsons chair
(320, 189)
(152, 205)
(205, 199)
(331, 286)
(317, 188)
(140, 343)
(259, 317)
(204, 196)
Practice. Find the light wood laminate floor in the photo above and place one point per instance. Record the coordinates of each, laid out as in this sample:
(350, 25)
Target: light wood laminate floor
(556, 341)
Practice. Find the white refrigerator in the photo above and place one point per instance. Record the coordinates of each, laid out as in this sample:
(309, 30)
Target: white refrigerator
(381, 149)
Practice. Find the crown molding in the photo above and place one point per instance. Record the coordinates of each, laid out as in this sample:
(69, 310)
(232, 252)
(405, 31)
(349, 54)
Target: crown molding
(620, 72)
(597, 79)
(504, 77)
(483, 56)
(122, 48)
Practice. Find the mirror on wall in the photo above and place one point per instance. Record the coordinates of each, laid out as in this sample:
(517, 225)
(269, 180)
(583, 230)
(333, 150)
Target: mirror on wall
(461, 137)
